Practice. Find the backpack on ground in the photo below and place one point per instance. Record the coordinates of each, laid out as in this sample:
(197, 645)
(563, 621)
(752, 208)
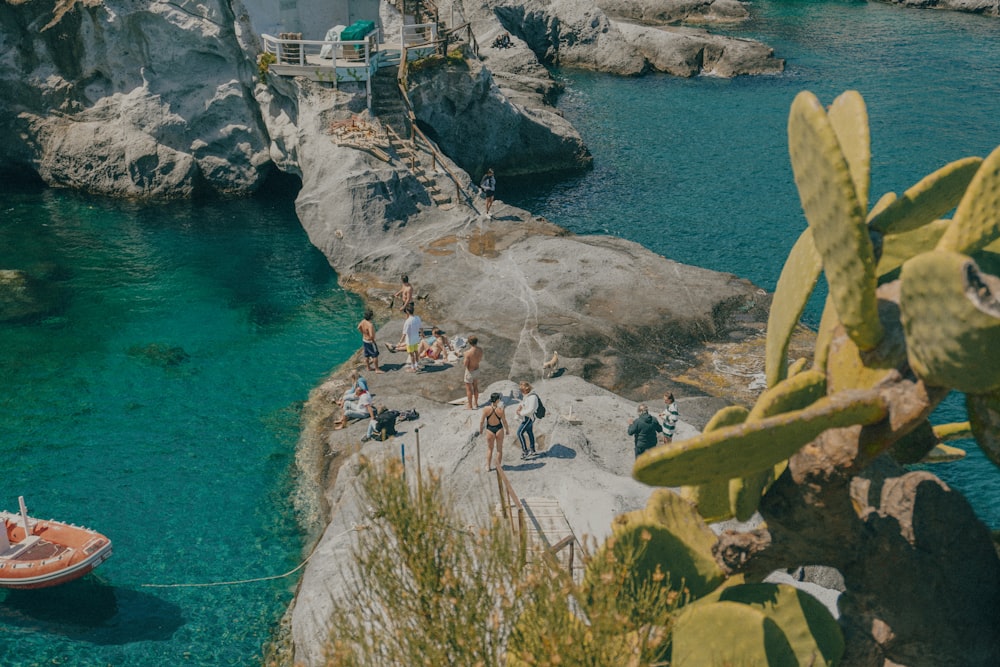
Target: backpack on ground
(540, 410)
(385, 425)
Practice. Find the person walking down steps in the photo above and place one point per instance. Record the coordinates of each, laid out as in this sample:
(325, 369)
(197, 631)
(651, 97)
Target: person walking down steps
(489, 187)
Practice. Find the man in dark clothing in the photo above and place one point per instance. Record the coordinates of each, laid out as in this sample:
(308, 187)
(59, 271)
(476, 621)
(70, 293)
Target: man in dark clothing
(644, 428)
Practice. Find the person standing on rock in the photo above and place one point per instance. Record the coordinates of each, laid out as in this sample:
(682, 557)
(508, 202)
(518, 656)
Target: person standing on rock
(368, 345)
(669, 417)
(412, 329)
(494, 422)
(470, 362)
(644, 429)
(526, 411)
(489, 187)
(405, 293)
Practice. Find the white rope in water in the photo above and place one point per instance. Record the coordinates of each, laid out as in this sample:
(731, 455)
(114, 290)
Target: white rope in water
(353, 528)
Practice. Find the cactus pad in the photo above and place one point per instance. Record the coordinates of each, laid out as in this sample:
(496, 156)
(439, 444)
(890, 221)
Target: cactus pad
(849, 118)
(835, 215)
(881, 205)
(712, 499)
(897, 248)
(679, 543)
(794, 393)
(942, 453)
(951, 315)
(933, 196)
(728, 633)
(812, 632)
(754, 446)
(953, 431)
(797, 281)
(976, 223)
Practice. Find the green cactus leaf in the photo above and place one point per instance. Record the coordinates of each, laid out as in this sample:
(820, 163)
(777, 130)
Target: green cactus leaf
(793, 393)
(929, 199)
(797, 281)
(951, 316)
(811, 630)
(712, 499)
(745, 493)
(847, 367)
(942, 453)
(897, 248)
(754, 446)
(836, 218)
(828, 323)
(953, 431)
(984, 418)
(727, 416)
(797, 366)
(728, 633)
(677, 542)
(849, 118)
(976, 223)
(881, 205)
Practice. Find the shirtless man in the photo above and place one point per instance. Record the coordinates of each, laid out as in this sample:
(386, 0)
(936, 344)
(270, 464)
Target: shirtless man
(405, 292)
(473, 356)
(368, 344)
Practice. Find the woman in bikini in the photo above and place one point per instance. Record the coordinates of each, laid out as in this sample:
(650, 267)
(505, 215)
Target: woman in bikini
(494, 423)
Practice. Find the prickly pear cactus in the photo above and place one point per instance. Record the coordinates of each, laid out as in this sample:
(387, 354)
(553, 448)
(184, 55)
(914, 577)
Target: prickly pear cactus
(677, 542)
(836, 218)
(912, 314)
(951, 314)
(810, 629)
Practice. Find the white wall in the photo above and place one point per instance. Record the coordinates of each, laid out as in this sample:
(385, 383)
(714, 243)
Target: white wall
(310, 17)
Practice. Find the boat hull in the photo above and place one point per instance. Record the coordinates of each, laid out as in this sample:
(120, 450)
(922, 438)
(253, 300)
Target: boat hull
(50, 554)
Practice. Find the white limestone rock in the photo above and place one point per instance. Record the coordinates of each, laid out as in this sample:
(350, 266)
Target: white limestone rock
(661, 12)
(134, 100)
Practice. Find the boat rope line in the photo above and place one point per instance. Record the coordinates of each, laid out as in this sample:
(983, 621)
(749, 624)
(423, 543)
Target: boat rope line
(354, 527)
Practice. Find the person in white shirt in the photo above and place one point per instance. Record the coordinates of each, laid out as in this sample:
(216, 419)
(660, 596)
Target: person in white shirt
(526, 411)
(412, 329)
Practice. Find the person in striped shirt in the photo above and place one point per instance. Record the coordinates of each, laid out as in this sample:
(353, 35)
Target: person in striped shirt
(669, 417)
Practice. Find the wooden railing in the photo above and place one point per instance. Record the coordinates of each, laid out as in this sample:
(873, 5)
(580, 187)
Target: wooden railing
(509, 505)
(470, 37)
(515, 515)
(415, 132)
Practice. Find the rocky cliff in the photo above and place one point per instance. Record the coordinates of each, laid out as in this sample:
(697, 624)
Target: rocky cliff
(132, 99)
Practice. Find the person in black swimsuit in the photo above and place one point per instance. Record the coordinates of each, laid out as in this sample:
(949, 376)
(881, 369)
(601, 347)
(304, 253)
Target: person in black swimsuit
(494, 423)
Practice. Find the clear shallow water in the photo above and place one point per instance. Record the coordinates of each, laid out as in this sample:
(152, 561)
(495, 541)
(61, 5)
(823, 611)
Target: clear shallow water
(182, 456)
(103, 431)
(698, 171)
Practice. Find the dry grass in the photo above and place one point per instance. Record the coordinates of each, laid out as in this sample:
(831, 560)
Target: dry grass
(429, 590)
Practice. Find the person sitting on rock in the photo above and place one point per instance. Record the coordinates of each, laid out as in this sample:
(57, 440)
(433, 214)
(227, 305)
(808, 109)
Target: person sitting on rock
(502, 41)
(359, 408)
(383, 426)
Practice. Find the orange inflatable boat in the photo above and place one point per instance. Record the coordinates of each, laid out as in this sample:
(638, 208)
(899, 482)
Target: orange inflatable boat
(38, 554)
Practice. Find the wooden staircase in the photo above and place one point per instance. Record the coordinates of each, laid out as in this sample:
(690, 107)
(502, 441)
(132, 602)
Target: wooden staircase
(417, 159)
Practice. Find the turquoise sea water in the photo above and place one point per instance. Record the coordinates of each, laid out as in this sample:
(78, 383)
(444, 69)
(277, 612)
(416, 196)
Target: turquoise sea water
(158, 402)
